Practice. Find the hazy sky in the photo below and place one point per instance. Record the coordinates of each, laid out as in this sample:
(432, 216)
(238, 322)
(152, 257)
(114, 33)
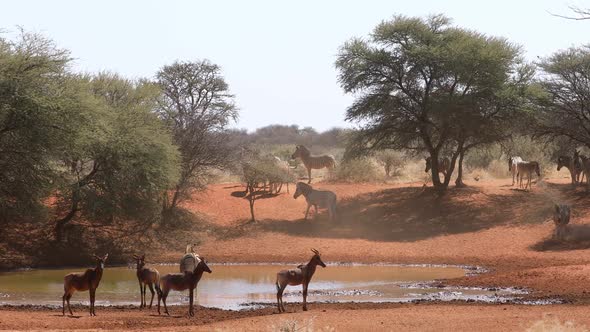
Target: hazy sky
(277, 56)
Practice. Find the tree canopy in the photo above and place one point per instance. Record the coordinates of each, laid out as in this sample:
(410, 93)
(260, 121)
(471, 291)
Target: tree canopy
(425, 85)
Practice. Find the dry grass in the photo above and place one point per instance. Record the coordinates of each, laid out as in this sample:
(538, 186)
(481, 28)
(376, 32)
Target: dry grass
(553, 324)
(294, 325)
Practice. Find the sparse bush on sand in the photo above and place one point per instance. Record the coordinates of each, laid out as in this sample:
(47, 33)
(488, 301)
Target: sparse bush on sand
(293, 325)
(553, 324)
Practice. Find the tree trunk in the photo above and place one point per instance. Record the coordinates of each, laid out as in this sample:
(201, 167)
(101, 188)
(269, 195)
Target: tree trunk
(459, 181)
(61, 223)
(251, 200)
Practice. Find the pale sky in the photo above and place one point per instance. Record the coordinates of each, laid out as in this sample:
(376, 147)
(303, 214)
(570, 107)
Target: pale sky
(277, 56)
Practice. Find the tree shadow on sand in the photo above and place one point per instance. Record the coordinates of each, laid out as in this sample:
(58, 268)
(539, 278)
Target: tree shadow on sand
(410, 214)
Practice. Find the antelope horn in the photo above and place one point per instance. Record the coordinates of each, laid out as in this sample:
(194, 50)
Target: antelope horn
(315, 251)
(135, 257)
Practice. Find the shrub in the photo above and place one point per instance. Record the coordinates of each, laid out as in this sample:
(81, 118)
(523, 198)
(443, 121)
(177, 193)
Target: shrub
(357, 170)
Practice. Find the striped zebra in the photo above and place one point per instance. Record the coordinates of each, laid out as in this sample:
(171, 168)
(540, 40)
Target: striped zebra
(572, 164)
(313, 162)
(512, 167)
(443, 165)
(527, 168)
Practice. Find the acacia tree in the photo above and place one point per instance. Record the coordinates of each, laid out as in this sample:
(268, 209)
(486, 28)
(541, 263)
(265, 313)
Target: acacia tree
(418, 81)
(563, 110)
(33, 121)
(120, 159)
(197, 106)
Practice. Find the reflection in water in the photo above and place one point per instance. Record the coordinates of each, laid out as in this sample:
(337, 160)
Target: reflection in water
(231, 286)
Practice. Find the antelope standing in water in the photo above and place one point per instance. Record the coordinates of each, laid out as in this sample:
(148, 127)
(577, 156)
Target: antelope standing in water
(180, 282)
(443, 165)
(147, 277)
(512, 167)
(83, 281)
(313, 162)
(298, 276)
(526, 168)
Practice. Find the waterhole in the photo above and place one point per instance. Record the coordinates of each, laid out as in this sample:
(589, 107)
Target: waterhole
(247, 286)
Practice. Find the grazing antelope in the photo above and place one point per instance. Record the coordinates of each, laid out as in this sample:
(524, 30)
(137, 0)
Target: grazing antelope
(180, 282)
(573, 167)
(512, 167)
(443, 165)
(561, 217)
(298, 276)
(147, 277)
(83, 281)
(526, 168)
(325, 199)
(313, 162)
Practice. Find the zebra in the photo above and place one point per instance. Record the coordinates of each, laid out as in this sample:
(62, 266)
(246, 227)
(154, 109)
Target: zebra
(585, 164)
(527, 168)
(313, 162)
(561, 217)
(325, 199)
(572, 164)
(443, 165)
(512, 167)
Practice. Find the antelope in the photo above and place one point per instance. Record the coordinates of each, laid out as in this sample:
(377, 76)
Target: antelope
(561, 217)
(443, 165)
(83, 281)
(572, 166)
(325, 199)
(527, 168)
(313, 162)
(512, 167)
(147, 277)
(180, 282)
(298, 276)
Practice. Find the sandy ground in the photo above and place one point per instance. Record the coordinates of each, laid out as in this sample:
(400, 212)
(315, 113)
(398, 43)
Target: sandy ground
(488, 224)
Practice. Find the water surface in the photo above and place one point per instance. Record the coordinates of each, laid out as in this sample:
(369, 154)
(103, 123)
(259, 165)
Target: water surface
(240, 286)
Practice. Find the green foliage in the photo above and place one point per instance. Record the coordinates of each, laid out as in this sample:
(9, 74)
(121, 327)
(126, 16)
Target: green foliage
(563, 110)
(34, 121)
(121, 159)
(424, 85)
(357, 170)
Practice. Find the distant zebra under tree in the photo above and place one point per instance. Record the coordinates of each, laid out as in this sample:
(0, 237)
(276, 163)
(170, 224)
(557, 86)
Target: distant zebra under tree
(313, 162)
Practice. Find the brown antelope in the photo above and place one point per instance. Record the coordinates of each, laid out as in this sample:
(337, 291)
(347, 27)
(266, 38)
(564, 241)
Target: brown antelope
(147, 277)
(298, 276)
(526, 168)
(83, 281)
(180, 282)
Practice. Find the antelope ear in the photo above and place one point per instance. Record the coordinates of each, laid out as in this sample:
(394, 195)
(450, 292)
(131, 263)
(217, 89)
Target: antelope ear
(105, 257)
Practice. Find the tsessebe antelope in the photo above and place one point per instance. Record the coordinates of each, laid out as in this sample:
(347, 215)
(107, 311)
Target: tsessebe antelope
(298, 276)
(180, 282)
(147, 277)
(83, 281)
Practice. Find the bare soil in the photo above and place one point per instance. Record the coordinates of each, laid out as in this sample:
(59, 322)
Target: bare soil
(489, 224)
